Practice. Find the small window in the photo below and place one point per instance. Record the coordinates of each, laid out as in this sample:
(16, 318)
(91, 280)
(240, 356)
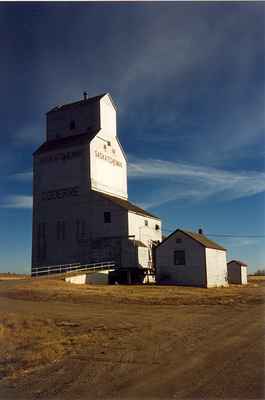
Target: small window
(146, 222)
(113, 151)
(107, 217)
(109, 143)
(72, 125)
(105, 147)
(178, 240)
(157, 227)
(179, 257)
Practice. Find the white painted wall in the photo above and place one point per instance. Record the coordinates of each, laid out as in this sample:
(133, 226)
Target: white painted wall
(142, 232)
(86, 117)
(108, 117)
(108, 166)
(144, 257)
(192, 274)
(216, 266)
(77, 280)
(244, 275)
(61, 168)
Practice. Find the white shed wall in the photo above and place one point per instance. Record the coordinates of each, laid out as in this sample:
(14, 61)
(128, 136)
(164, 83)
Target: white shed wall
(244, 275)
(216, 266)
(193, 273)
(237, 274)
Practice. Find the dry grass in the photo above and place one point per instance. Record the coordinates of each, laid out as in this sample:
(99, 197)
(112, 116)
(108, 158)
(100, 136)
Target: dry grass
(28, 342)
(52, 289)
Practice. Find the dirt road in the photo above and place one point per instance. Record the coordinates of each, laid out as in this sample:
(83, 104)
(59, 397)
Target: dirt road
(65, 342)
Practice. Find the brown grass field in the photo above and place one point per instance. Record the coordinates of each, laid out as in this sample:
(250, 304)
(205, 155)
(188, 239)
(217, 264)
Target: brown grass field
(63, 341)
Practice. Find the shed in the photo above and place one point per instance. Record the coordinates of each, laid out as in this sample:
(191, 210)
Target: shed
(237, 272)
(191, 259)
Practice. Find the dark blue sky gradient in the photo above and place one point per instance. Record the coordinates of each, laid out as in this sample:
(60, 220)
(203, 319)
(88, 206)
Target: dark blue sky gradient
(188, 80)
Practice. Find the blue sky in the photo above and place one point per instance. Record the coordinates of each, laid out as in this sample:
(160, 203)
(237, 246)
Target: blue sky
(188, 80)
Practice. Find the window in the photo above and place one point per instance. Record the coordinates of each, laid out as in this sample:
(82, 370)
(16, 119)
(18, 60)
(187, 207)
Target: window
(72, 125)
(178, 240)
(157, 227)
(109, 143)
(105, 147)
(146, 222)
(179, 257)
(107, 217)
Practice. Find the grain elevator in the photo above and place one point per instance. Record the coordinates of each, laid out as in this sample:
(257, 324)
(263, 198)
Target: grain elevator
(81, 211)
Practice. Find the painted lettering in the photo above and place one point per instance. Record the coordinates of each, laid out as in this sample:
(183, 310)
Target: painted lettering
(60, 193)
(109, 159)
(69, 155)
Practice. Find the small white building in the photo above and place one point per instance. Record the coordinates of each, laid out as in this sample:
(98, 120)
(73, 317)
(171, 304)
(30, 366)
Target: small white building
(237, 272)
(190, 259)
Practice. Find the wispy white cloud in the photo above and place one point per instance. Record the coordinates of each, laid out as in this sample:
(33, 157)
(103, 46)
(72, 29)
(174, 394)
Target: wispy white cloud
(28, 134)
(22, 176)
(16, 201)
(243, 242)
(194, 182)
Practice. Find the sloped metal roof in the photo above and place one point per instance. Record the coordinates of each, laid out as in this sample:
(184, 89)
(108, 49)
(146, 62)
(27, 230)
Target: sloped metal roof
(238, 262)
(198, 237)
(127, 205)
(210, 244)
(67, 141)
(90, 100)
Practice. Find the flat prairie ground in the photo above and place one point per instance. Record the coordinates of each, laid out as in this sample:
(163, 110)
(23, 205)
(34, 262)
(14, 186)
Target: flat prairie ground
(64, 341)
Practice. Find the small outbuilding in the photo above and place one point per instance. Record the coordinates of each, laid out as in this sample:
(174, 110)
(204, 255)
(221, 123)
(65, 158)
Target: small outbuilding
(237, 272)
(191, 259)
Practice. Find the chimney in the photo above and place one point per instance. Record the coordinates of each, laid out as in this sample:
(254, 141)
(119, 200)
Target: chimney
(85, 96)
(200, 231)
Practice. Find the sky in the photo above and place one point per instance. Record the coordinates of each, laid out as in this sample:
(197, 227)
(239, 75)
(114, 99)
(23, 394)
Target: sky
(188, 81)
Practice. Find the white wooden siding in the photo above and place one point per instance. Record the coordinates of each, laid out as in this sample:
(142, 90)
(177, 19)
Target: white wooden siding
(193, 273)
(216, 267)
(142, 232)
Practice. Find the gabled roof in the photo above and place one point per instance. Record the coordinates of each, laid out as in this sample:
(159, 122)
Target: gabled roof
(238, 262)
(198, 237)
(127, 205)
(67, 141)
(90, 100)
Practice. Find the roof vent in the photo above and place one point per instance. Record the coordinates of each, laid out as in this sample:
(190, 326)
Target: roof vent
(85, 96)
(200, 231)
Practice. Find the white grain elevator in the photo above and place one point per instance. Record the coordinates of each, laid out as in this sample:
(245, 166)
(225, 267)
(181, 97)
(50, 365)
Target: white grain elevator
(81, 212)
